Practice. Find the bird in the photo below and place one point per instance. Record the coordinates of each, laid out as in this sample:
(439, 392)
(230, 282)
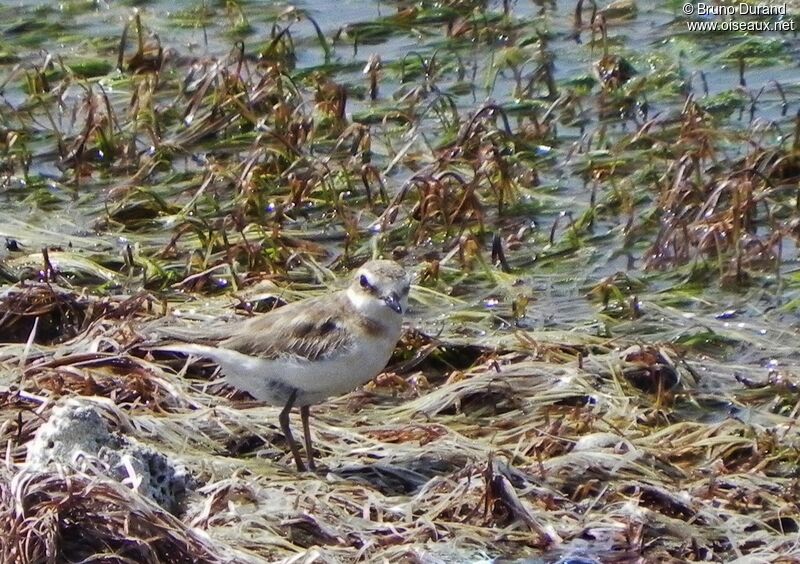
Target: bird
(304, 352)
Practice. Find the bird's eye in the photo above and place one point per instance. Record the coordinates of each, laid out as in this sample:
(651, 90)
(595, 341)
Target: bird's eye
(364, 281)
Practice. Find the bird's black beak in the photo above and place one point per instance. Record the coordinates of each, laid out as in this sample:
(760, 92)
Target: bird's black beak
(393, 301)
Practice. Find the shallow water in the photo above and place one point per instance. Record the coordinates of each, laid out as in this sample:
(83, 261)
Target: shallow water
(556, 277)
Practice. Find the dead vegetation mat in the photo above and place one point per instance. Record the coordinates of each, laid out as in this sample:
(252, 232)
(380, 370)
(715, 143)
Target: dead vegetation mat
(537, 449)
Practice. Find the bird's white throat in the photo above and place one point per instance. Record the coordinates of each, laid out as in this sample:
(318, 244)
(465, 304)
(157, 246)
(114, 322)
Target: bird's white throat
(371, 307)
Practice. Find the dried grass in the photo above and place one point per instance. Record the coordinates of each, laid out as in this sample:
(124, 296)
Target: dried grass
(56, 517)
(512, 457)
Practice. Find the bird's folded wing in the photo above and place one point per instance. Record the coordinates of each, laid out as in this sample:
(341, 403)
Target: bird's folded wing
(314, 329)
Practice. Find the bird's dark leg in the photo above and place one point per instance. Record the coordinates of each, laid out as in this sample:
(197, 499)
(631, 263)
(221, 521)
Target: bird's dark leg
(305, 413)
(283, 419)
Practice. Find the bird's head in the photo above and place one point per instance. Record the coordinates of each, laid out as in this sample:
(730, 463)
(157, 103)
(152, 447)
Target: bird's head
(380, 288)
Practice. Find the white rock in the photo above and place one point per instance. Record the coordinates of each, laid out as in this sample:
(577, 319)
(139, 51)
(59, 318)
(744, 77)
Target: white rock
(77, 436)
